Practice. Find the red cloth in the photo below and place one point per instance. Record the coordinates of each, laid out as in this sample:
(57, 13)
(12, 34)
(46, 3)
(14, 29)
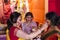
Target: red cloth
(52, 37)
(12, 33)
(59, 27)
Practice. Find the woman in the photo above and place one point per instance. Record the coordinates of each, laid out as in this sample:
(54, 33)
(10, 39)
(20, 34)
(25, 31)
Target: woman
(6, 10)
(56, 35)
(58, 26)
(58, 23)
(14, 26)
(51, 33)
(29, 24)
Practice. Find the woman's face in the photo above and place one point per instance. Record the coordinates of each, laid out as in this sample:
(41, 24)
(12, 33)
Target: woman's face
(28, 18)
(48, 21)
(19, 20)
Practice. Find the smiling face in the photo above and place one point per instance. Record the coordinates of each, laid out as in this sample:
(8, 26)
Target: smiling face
(29, 18)
(48, 21)
(19, 20)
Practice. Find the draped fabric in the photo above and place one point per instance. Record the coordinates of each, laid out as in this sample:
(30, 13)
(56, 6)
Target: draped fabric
(52, 35)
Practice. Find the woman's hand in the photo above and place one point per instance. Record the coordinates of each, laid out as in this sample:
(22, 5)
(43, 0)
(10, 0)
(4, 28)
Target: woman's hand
(44, 26)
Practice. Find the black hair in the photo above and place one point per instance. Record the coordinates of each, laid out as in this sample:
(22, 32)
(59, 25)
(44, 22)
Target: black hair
(52, 17)
(13, 19)
(58, 21)
(29, 14)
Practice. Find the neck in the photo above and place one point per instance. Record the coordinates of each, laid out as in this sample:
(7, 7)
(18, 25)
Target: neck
(16, 25)
(28, 21)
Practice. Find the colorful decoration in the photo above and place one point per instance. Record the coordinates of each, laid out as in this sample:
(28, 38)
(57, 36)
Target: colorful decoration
(12, 5)
(22, 7)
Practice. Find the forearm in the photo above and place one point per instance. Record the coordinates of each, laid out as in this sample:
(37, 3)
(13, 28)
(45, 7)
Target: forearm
(24, 35)
(34, 34)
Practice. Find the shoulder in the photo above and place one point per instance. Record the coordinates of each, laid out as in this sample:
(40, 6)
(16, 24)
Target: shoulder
(13, 28)
(33, 23)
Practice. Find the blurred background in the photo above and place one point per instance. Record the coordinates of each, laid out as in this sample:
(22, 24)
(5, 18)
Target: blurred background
(38, 7)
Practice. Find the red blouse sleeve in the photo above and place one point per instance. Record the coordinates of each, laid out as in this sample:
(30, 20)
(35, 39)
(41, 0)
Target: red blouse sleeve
(12, 33)
(15, 31)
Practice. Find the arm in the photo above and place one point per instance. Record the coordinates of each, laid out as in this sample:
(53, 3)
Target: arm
(24, 35)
